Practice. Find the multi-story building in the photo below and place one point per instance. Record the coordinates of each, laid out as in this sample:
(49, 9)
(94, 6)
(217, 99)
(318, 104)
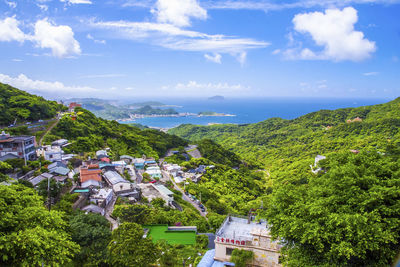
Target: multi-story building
(17, 147)
(241, 233)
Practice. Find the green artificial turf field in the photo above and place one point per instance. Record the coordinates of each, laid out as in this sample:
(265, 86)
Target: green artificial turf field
(158, 232)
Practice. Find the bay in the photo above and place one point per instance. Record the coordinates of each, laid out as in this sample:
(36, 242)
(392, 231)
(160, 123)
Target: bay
(248, 110)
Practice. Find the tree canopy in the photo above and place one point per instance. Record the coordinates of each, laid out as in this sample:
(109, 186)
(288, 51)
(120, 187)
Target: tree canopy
(348, 215)
(128, 247)
(30, 235)
(20, 105)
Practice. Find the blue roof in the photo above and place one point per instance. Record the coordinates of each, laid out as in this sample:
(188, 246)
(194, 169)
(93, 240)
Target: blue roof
(208, 260)
(150, 161)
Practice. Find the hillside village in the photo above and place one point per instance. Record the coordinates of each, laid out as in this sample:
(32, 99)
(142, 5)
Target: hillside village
(111, 194)
(99, 183)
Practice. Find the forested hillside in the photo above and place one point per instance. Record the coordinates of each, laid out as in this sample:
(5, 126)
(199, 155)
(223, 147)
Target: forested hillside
(89, 133)
(20, 105)
(345, 214)
(276, 140)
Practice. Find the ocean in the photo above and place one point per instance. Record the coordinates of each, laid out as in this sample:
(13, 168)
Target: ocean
(248, 110)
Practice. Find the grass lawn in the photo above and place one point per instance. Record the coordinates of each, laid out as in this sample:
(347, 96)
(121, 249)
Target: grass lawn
(158, 232)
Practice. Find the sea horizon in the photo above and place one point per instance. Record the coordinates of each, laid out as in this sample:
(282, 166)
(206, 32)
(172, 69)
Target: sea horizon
(247, 110)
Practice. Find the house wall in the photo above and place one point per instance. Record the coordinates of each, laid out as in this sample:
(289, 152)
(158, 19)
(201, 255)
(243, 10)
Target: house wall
(262, 256)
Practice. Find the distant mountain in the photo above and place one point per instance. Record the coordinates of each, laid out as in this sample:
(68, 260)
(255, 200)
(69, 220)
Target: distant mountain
(21, 106)
(217, 98)
(148, 110)
(146, 103)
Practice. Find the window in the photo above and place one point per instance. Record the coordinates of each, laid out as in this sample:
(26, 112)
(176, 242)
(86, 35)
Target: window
(229, 251)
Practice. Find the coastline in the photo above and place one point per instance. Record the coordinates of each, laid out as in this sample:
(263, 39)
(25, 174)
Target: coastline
(186, 114)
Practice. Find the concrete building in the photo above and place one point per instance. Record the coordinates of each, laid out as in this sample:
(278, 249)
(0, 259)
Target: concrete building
(102, 197)
(17, 147)
(119, 184)
(241, 233)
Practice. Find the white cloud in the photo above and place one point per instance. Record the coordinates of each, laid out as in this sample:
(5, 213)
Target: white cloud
(192, 88)
(10, 31)
(175, 38)
(373, 73)
(216, 58)
(43, 7)
(77, 1)
(90, 37)
(17, 60)
(276, 52)
(179, 12)
(11, 4)
(23, 82)
(265, 5)
(334, 31)
(60, 39)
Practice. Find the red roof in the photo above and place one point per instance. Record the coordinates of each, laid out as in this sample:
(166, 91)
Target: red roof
(74, 105)
(105, 159)
(90, 174)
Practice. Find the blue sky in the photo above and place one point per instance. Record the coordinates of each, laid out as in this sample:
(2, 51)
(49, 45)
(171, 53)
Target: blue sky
(246, 48)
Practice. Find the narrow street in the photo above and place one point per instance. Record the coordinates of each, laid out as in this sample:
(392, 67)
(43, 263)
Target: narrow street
(166, 176)
(109, 210)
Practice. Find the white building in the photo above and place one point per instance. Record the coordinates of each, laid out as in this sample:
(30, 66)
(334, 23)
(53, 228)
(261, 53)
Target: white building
(103, 197)
(119, 184)
(240, 233)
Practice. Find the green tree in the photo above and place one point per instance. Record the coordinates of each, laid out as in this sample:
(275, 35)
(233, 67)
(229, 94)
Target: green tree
(347, 216)
(132, 213)
(55, 188)
(241, 257)
(158, 202)
(128, 247)
(92, 232)
(169, 254)
(29, 234)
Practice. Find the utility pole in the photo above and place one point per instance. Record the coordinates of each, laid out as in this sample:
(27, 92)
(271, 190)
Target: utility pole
(48, 193)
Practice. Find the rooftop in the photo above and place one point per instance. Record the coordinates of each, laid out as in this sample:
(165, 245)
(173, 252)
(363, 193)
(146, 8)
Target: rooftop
(164, 190)
(239, 228)
(114, 177)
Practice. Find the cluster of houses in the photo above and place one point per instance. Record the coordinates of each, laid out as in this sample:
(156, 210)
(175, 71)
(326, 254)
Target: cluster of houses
(181, 176)
(99, 181)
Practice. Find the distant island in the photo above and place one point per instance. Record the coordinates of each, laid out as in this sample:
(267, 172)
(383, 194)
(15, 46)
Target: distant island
(148, 110)
(217, 98)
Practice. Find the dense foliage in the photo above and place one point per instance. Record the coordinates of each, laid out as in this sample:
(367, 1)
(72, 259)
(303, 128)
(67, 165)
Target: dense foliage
(347, 215)
(278, 143)
(92, 232)
(128, 247)
(217, 153)
(241, 257)
(29, 234)
(89, 133)
(20, 105)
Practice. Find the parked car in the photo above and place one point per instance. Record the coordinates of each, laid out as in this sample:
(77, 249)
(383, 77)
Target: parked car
(40, 120)
(11, 125)
(153, 182)
(201, 206)
(28, 123)
(186, 193)
(202, 209)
